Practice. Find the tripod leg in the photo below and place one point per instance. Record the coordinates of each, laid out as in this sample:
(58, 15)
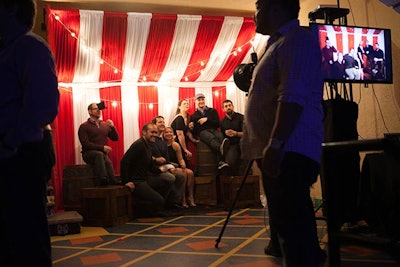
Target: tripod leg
(234, 202)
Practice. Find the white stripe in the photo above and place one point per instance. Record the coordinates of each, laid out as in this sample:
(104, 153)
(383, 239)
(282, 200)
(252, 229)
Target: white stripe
(182, 46)
(87, 69)
(181, 50)
(221, 52)
(138, 28)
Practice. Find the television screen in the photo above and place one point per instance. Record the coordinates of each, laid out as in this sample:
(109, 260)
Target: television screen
(354, 54)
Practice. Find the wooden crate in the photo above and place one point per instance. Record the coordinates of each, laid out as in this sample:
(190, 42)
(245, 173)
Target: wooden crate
(64, 223)
(205, 191)
(76, 177)
(106, 206)
(249, 194)
(207, 161)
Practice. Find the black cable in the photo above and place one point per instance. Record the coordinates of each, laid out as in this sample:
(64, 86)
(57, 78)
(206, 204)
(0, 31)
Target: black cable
(380, 110)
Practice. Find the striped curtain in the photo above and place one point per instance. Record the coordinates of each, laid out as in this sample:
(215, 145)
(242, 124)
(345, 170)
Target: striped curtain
(141, 65)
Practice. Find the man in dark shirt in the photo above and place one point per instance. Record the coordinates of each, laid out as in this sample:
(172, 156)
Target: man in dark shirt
(29, 100)
(327, 57)
(140, 173)
(93, 135)
(232, 128)
(205, 125)
(378, 58)
(161, 157)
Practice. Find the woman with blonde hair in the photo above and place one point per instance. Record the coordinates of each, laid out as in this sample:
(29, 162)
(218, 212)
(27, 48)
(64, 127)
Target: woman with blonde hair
(176, 158)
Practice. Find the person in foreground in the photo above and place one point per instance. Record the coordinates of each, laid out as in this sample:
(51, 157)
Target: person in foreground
(283, 129)
(29, 100)
(93, 135)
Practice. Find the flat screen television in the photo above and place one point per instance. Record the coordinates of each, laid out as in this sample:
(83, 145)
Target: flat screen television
(353, 54)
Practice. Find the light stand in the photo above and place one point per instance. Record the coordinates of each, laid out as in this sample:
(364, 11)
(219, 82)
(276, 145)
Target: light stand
(246, 173)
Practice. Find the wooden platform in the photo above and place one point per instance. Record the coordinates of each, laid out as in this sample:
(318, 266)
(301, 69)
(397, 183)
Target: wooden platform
(76, 177)
(106, 205)
(205, 190)
(249, 194)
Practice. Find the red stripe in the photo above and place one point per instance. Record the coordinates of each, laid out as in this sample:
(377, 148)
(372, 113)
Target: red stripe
(207, 35)
(246, 34)
(148, 95)
(113, 51)
(158, 46)
(64, 48)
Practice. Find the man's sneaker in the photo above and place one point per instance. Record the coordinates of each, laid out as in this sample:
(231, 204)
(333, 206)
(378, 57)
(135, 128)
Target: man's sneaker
(224, 146)
(276, 252)
(222, 164)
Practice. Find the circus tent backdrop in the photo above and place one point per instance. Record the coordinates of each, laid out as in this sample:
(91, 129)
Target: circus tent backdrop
(140, 65)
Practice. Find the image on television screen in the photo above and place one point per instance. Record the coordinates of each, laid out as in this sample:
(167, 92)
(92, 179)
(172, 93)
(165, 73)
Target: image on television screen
(354, 54)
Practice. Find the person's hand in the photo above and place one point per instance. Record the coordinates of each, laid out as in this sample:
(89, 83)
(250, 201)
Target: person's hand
(107, 149)
(110, 123)
(230, 133)
(160, 160)
(202, 120)
(194, 140)
(130, 185)
(271, 162)
(188, 153)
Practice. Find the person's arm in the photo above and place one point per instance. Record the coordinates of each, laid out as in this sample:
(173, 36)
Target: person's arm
(38, 81)
(180, 132)
(179, 156)
(182, 141)
(213, 118)
(113, 133)
(191, 137)
(125, 166)
(286, 119)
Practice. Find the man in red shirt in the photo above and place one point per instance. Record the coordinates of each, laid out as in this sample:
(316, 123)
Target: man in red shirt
(93, 135)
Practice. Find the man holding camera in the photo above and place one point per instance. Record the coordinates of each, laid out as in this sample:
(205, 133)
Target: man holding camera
(283, 129)
(93, 135)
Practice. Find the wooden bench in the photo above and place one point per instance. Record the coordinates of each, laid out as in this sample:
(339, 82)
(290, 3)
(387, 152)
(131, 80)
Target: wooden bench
(105, 206)
(76, 177)
(249, 194)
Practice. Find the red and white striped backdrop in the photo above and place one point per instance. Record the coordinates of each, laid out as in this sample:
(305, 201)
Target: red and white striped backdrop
(141, 64)
(344, 38)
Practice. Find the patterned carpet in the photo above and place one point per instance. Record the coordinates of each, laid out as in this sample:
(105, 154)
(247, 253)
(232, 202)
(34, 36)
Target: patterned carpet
(189, 239)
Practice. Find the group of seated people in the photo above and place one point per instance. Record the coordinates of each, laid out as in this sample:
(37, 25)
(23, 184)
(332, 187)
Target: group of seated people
(156, 166)
(358, 64)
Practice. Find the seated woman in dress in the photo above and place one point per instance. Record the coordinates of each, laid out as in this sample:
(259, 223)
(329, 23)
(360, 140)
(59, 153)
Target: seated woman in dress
(181, 130)
(176, 158)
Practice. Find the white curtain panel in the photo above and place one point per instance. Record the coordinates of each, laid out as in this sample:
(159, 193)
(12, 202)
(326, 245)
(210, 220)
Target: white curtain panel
(138, 27)
(87, 69)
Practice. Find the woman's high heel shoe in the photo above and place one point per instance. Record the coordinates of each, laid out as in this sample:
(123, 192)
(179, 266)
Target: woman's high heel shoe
(191, 202)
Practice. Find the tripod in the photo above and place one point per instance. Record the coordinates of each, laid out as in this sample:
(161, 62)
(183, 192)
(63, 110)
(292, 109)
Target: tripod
(234, 202)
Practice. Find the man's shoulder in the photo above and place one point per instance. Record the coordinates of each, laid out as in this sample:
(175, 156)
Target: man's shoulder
(85, 123)
(238, 115)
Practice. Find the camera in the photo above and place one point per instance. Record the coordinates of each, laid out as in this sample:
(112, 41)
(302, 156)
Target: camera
(101, 105)
(243, 74)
